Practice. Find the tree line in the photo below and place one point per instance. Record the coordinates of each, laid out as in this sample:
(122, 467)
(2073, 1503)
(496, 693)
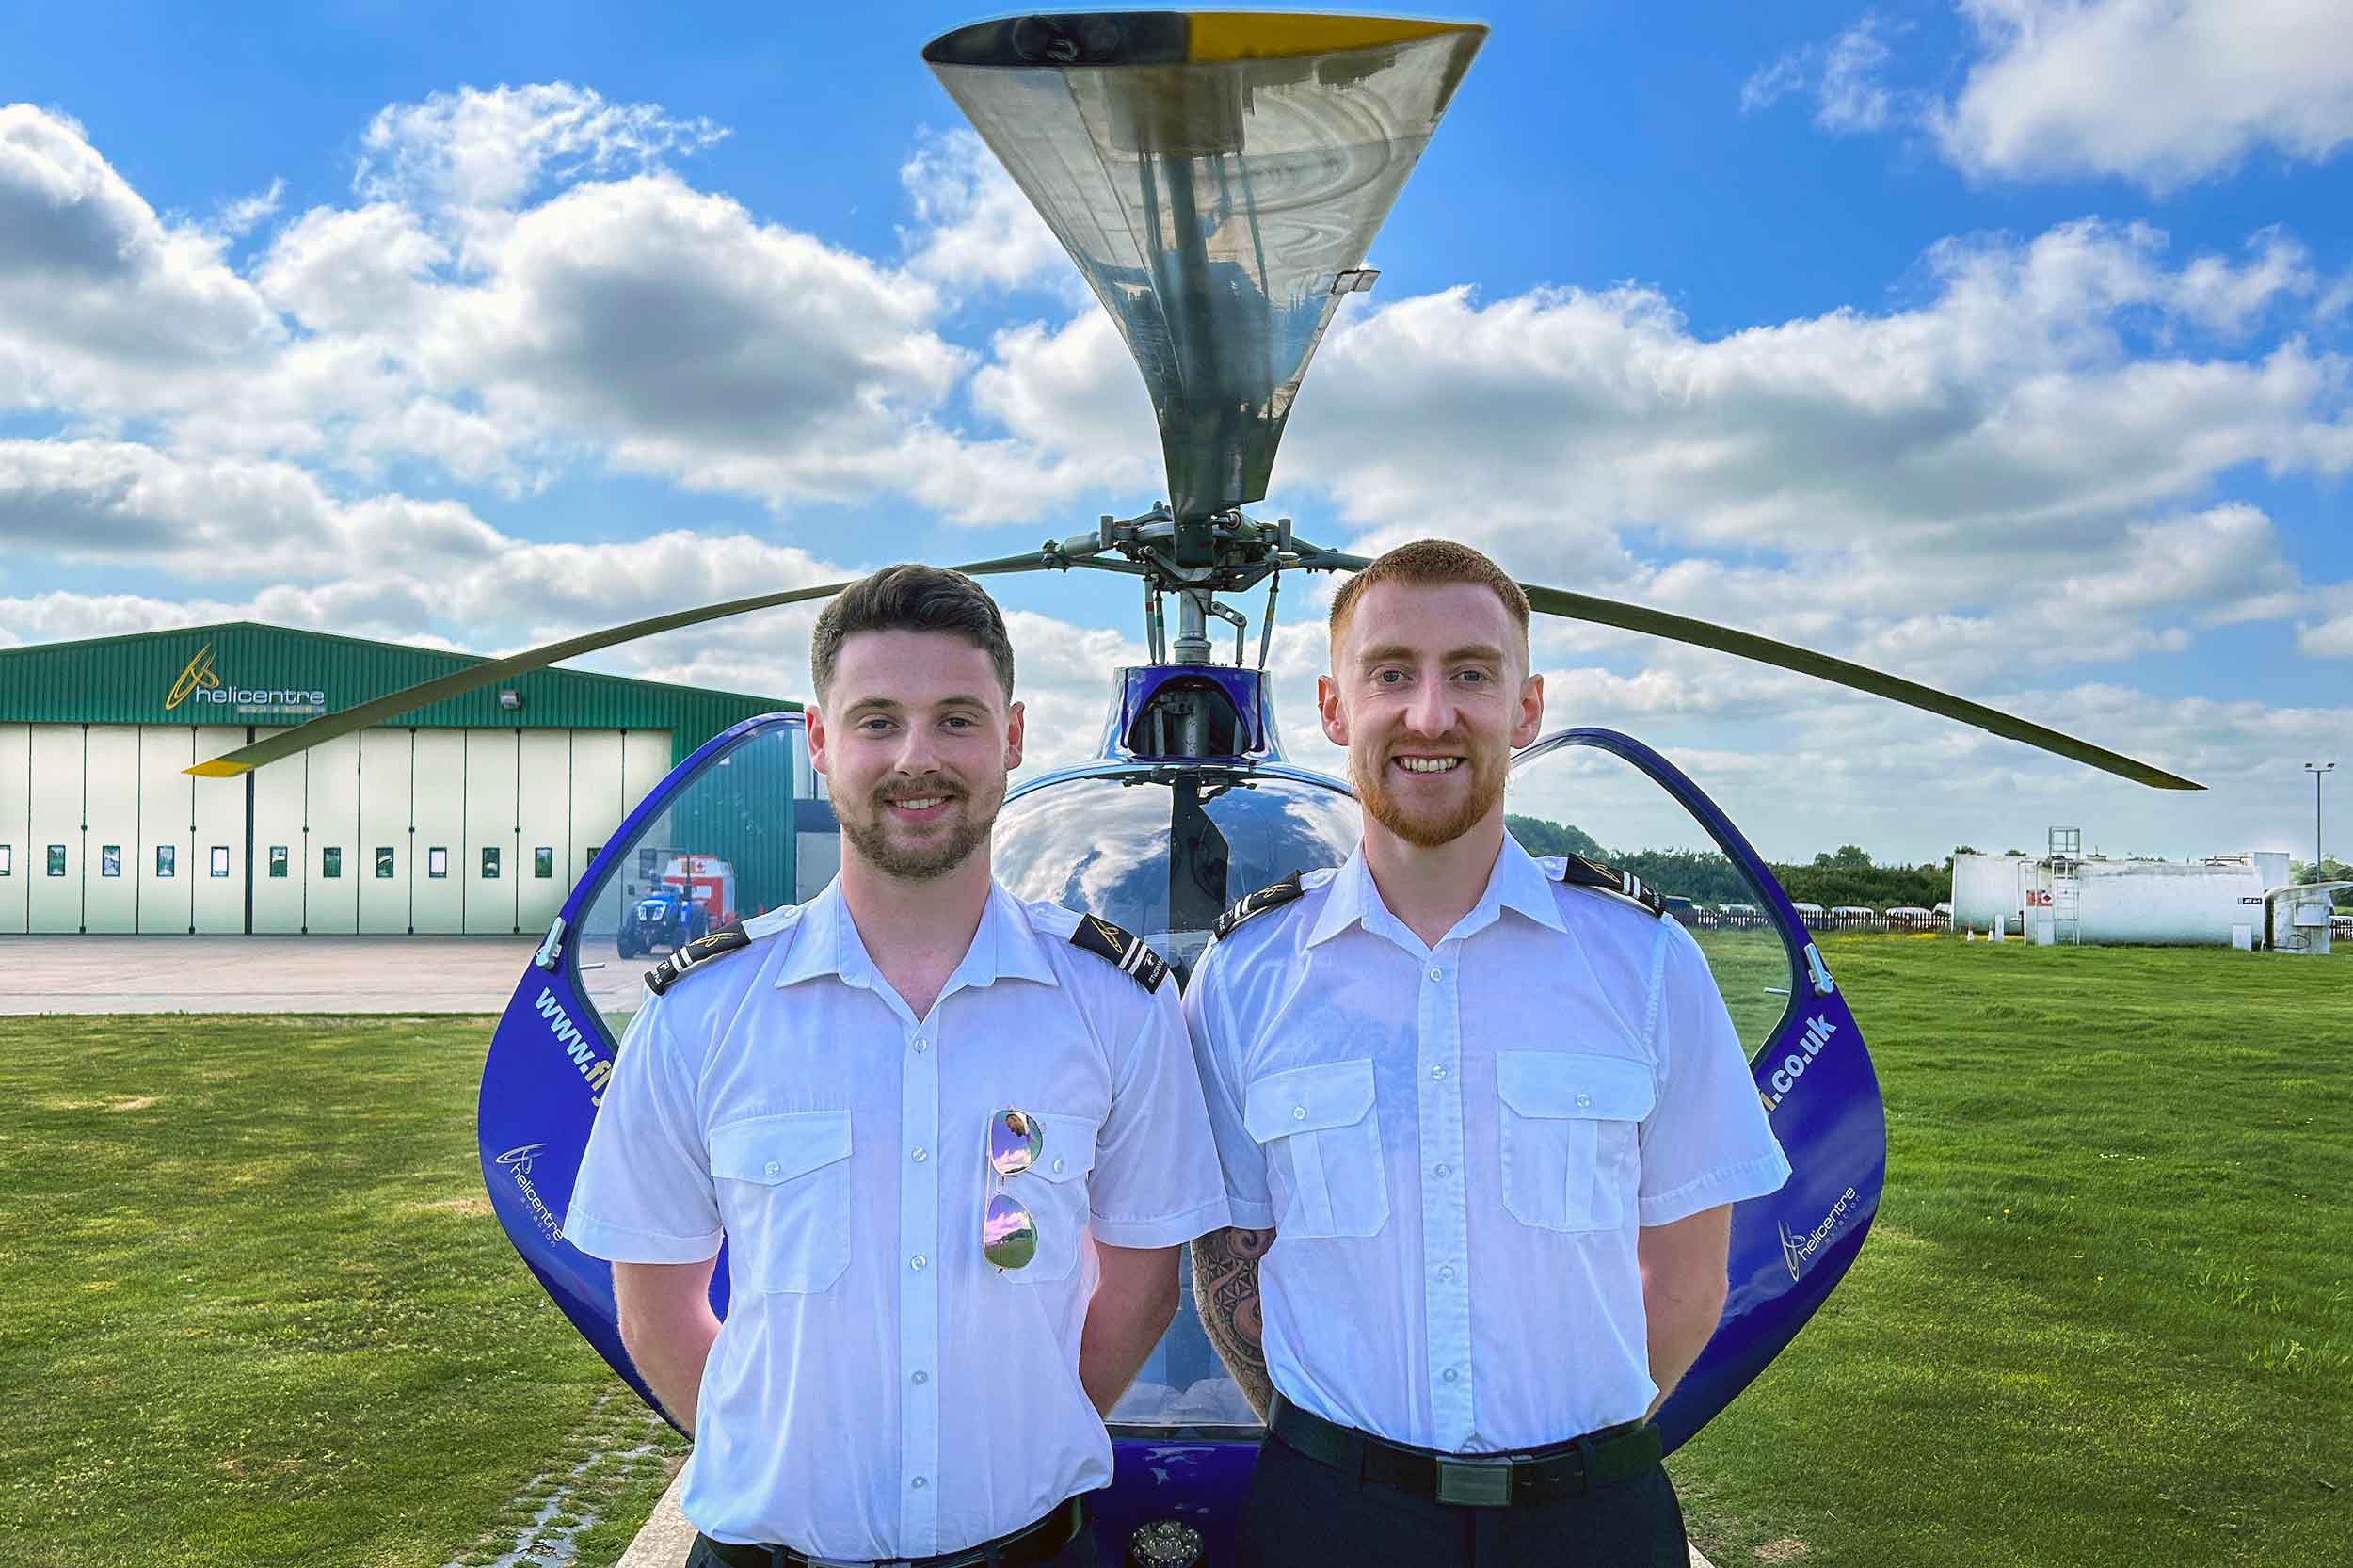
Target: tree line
(1845, 875)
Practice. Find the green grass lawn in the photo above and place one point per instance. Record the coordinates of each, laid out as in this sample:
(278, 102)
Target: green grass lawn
(256, 1312)
(254, 1309)
(2106, 1313)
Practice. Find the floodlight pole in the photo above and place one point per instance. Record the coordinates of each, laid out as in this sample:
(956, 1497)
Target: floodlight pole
(2317, 771)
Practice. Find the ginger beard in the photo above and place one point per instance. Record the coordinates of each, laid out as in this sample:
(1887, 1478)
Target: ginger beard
(1428, 809)
(920, 851)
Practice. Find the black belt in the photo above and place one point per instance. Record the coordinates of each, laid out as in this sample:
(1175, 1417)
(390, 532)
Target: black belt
(1550, 1474)
(1029, 1543)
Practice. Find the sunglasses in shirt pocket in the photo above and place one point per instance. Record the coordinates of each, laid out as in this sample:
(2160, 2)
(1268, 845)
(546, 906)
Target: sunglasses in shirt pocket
(1054, 1190)
(784, 1196)
(1571, 1122)
(1319, 1126)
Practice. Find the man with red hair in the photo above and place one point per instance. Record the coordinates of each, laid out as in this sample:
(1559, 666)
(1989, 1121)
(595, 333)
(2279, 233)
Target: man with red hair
(1482, 1119)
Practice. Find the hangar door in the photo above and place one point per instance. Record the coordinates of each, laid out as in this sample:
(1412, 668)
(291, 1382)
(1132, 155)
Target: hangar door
(478, 832)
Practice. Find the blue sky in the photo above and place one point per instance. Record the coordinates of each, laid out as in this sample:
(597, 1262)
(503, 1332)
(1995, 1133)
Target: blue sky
(2003, 343)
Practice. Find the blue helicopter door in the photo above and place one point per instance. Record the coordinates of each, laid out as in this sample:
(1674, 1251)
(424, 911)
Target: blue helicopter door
(739, 828)
(1812, 1075)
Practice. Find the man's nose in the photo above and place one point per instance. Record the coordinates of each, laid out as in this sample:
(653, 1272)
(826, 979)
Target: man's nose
(918, 752)
(1430, 710)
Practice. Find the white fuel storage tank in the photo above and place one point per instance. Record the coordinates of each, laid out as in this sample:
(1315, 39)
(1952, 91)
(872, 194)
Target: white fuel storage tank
(2167, 902)
(1990, 887)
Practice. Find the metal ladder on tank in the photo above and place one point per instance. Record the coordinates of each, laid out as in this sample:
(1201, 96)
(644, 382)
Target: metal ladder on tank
(2065, 858)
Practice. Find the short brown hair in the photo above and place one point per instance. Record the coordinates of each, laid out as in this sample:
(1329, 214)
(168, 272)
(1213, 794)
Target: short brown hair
(910, 597)
(1430, 561)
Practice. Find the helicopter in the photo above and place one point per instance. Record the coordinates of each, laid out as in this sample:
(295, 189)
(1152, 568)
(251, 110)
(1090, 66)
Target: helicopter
(1217, 179)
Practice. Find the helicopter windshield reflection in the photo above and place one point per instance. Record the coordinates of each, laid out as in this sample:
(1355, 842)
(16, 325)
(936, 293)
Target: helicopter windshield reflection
(1101, 842)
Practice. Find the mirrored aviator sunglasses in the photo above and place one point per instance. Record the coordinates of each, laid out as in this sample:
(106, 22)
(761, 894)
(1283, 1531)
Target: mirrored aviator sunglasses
(1008, 1234)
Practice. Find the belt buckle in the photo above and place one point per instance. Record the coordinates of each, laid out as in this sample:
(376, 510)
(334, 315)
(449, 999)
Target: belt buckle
(1475, 1483)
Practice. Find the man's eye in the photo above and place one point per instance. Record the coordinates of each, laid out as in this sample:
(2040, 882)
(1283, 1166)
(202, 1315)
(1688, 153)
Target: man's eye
(1474, 677)
(1389, 678)
(874, 727)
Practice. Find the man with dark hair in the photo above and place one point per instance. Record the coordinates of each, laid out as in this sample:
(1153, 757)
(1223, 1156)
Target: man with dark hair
(1482, 1119)
(953, 1142)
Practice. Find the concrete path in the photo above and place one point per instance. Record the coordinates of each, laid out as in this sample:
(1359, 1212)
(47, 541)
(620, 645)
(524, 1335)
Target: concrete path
(281, 974)
(667, 1537)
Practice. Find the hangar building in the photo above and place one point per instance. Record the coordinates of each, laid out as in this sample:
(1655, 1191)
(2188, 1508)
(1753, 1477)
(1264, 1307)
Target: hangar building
(475, 815)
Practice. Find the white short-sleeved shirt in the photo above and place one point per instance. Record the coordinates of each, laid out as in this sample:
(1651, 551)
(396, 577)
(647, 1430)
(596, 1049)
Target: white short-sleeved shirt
(878, 1389)
(1457, 1146)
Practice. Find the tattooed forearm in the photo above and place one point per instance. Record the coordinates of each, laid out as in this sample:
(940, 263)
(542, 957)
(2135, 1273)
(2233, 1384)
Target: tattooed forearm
(1226, 1289)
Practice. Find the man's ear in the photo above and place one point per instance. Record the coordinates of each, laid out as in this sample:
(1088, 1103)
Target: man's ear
(1531, 717)
(814, 717)
(1013, 738)
(1328, 708)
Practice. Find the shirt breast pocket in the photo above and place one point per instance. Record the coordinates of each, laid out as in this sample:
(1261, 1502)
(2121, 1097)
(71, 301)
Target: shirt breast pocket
(1571, 1125)
(1054, 1190)
(1320, 1125)
(784, 1196)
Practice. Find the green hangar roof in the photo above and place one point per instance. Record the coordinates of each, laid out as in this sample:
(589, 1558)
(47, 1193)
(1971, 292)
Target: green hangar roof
(243, 674)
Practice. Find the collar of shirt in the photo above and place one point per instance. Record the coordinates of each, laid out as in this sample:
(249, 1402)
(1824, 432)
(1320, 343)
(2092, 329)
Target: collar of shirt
(1516, 883)
(1004, 947)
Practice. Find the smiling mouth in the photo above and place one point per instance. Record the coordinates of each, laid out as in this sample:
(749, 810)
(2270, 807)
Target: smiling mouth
(1428, 764)
(916, 803)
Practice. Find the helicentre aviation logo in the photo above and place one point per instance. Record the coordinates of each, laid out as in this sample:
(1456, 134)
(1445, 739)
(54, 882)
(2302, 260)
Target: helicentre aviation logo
(198, 676)
(199, 683)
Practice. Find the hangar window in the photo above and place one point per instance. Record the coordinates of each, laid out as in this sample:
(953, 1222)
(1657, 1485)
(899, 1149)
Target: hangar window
(437, 861)
(7, 860)
(167, 859)
(278, 860)
(543, 861)
(56, 859)
(110, 859)
(331, 861)
(220, 860)
(489, 863)
(384, 862)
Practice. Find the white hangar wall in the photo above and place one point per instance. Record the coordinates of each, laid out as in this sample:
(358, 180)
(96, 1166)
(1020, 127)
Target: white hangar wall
(384, 832)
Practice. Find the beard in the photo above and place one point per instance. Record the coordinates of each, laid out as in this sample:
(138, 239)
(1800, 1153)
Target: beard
(967, 828)
(1427, 827)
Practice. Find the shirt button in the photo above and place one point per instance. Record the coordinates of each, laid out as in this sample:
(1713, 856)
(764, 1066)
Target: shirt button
(1438, 1071)
(1299, 1112)
(918, 1261)
(1447, 1272)
(1452, 1375)
(1584, 1102)
(1444, 1170)
(920, 1044)
(773, 1167)
(918, 1483)
(1058, 1164)
(1437, 974)
(921, 1155)
(922, 1377)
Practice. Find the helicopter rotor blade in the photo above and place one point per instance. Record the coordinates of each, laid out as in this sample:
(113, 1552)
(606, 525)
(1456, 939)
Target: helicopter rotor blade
(301, 737)
(1842, 672)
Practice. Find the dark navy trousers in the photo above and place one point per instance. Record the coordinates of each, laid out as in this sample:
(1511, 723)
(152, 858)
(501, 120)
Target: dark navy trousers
(1299, 1512)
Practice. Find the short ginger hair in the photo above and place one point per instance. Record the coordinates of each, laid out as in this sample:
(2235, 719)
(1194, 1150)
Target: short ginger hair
(1430, 561)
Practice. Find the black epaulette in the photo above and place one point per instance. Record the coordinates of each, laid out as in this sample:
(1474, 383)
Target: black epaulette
(702, 950)
(1577, 871)
(1258, 903)
(1121, 947)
